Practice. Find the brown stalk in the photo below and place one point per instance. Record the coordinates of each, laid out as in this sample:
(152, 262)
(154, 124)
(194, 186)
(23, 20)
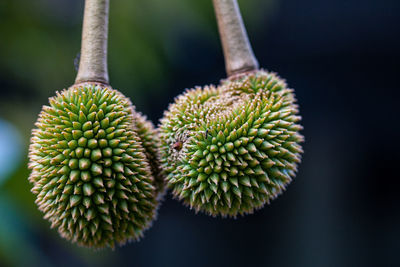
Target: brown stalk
(238, 54)
(93, 60)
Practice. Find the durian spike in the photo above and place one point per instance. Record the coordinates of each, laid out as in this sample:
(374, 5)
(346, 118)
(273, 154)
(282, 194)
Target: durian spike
(93, 60)
(238, 54)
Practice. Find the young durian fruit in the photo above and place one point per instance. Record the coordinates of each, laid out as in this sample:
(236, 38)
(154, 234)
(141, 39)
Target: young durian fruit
(91, 154)
(229, 150)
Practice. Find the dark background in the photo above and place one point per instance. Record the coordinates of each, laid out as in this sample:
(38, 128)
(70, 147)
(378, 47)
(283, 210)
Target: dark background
(341, 57)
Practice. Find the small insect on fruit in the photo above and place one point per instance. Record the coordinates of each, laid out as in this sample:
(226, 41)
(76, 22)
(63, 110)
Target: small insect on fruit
(177, 145)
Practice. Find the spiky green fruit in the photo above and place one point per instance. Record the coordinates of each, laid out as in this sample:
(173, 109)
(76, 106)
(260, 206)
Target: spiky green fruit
(230, 150)
(90, 171)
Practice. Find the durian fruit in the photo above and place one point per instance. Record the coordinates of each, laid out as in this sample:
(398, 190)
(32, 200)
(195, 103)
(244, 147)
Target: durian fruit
(92, 155)
(90, 171)
(228, 150)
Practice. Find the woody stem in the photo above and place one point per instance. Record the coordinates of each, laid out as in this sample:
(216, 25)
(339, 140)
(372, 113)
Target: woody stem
(239, 56)
(93, 60)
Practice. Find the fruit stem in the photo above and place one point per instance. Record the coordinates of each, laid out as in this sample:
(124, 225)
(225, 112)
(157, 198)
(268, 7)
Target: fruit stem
(238, 54)
(93, 61)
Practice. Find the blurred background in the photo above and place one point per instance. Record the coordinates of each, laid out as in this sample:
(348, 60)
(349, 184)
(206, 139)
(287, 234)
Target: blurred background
(342, 57)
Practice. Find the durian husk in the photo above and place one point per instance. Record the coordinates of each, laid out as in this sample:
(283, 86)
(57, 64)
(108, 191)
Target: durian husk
(93, 168)
(231, 149)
